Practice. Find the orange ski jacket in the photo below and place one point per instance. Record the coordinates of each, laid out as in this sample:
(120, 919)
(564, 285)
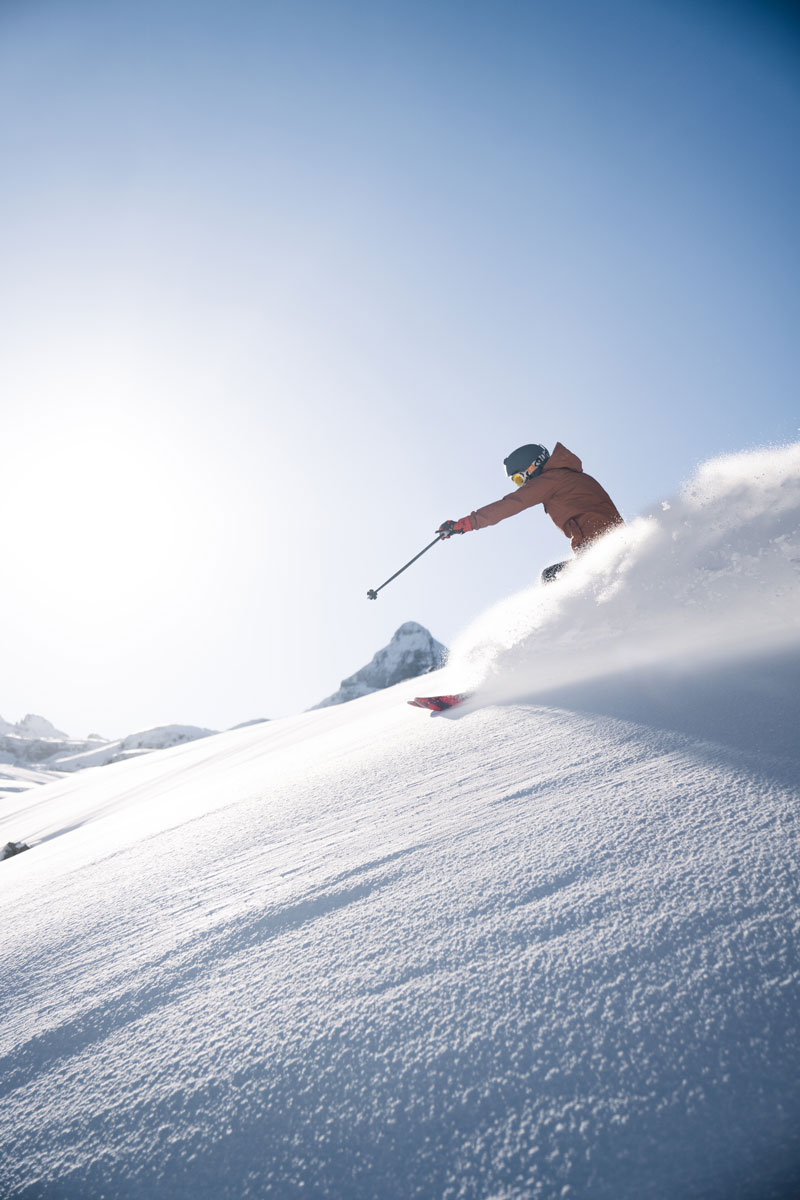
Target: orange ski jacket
(577, 503)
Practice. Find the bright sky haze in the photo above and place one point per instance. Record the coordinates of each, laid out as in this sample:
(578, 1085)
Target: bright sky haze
(283, 283)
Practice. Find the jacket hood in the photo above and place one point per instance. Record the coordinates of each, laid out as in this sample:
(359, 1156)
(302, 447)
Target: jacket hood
(563, 458)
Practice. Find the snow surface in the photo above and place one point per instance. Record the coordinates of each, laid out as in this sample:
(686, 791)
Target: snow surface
(549, 949)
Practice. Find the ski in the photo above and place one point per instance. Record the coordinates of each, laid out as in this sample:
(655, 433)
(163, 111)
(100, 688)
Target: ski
(438, 704)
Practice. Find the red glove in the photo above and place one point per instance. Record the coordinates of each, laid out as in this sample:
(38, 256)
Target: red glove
(450, 527)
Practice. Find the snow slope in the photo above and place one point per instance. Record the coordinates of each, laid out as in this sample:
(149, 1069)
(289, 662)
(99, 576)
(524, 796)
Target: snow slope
(34, 752)
(547, 950)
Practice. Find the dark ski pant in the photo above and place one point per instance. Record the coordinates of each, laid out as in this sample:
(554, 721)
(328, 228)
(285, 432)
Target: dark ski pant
(550, 573)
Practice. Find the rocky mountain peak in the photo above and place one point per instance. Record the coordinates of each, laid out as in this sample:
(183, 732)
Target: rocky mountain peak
(33, 726)
(412, 651)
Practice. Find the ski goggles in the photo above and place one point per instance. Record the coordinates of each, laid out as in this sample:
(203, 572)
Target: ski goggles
(518, 480)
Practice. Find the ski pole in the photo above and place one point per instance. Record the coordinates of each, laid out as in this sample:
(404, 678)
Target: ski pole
(372, 594)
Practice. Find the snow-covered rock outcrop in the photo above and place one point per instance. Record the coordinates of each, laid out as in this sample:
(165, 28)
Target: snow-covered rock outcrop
(412, 651)
(33, 726)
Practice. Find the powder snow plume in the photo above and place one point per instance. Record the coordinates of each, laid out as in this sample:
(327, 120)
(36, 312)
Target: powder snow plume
(712, 575)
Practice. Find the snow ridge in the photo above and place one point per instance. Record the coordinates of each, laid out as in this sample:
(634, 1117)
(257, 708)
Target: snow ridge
(35, 752)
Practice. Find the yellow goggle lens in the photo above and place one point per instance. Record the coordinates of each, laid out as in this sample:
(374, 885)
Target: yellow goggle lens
(518, 480)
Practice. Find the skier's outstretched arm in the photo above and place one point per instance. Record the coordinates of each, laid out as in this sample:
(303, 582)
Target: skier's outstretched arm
(490, 514)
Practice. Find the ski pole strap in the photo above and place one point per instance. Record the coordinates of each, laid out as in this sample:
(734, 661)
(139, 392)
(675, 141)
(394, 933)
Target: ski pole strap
(372, 594)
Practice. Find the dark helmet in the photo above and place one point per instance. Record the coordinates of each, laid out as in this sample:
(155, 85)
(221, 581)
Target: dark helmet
(527, 460)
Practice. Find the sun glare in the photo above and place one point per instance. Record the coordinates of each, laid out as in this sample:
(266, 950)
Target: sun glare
(96, 517)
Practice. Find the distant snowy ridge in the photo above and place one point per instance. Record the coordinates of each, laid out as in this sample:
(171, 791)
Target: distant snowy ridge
(34, 752)
(32, 727)
(412, 651)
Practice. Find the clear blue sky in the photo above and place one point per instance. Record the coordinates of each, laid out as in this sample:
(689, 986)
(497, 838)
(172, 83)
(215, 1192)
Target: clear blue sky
(284, 282)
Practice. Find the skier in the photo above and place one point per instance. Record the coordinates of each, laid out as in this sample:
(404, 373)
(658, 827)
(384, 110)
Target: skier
(577, 503)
